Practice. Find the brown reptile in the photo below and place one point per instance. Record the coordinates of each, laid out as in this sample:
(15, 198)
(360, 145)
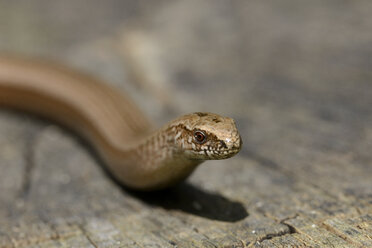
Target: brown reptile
(135, 153)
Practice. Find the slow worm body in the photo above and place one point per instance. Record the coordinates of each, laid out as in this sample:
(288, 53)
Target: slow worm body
(134, 153)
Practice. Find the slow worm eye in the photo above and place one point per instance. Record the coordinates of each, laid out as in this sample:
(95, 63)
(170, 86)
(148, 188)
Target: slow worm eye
(200, 137)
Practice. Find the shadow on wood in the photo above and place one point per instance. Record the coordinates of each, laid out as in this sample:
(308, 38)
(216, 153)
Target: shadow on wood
(189, 199)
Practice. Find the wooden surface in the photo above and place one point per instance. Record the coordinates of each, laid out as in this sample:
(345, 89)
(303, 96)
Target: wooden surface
(295, 75)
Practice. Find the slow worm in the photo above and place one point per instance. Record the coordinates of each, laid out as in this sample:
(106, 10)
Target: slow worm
(135, 153)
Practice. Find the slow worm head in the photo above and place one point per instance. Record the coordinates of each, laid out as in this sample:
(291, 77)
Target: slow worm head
(138, 155)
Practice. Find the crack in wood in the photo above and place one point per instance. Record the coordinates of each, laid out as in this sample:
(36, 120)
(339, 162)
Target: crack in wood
(86, 235)
(291, 230)
(272, 235)
(29, 158)
(340, 234)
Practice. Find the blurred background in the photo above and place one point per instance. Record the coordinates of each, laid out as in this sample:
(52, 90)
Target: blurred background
(300, 69)
(224, 51)
(296, 76)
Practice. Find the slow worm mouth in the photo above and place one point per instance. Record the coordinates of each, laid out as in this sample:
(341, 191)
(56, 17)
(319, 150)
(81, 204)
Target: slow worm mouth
(215, 154)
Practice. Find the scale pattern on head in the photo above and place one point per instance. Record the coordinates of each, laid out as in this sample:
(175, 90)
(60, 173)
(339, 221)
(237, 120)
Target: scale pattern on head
(205, 136)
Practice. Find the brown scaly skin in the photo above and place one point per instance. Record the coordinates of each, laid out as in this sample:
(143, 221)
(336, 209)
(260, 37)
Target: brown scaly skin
(136, 156)
(221, 137)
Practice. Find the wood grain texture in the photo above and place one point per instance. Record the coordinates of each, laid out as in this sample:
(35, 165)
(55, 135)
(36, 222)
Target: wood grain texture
(295, 77)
